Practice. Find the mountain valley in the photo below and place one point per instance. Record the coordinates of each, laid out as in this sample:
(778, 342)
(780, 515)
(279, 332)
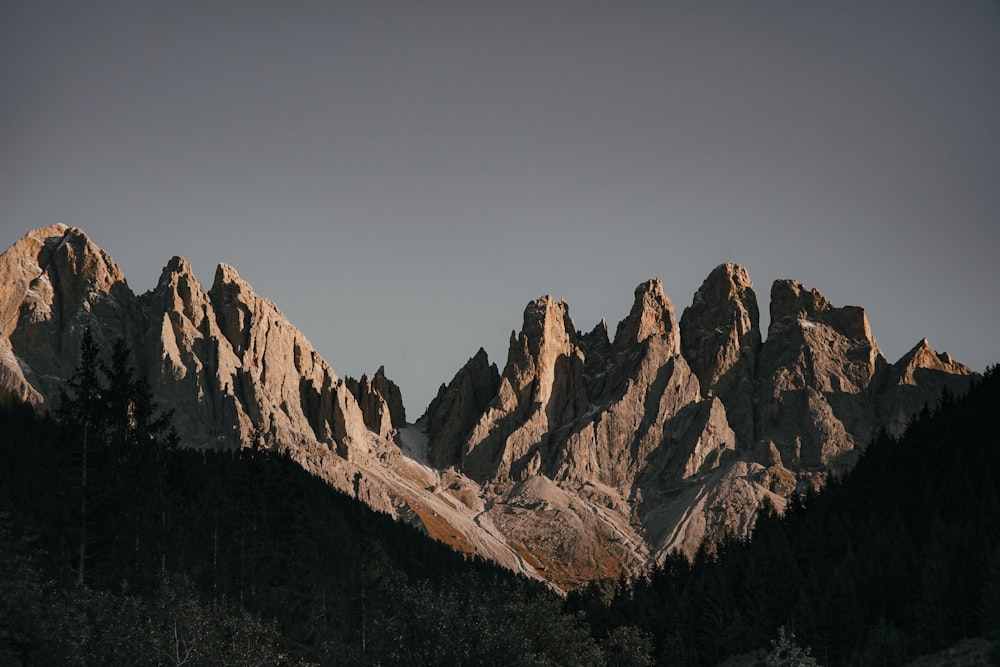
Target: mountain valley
(587, 456)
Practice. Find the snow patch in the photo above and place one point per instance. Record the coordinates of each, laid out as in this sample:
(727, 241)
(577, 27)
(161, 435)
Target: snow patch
(413, 443)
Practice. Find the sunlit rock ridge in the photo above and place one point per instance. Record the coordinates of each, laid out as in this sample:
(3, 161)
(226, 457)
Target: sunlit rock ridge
(585, 457)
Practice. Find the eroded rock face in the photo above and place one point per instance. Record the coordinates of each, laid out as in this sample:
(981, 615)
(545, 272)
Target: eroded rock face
(720, 339)
(919, 378)
(687, 429)
(652, 314)
(817, 375)
(586, 458)
(541, 389)
(226, 361)
(188, 363)
(453, 414)
(392, 396)
(55, 283)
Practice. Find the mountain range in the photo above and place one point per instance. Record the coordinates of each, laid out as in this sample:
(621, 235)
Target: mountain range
(587, 456)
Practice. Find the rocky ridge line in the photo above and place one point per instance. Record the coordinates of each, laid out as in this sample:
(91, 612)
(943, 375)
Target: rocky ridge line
(585, 458)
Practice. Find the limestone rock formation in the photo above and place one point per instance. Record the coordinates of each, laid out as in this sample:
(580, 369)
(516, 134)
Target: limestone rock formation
(55, 283)
(392, 396)
(381, 403)
(817, 375)
(189, 364)
(720, 338)
(585, 458)
(918, 379)
(235, 372)
(541, 389)
(457, 407)
(679, 432)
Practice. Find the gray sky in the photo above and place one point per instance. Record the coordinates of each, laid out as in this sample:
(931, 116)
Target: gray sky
(401, 178)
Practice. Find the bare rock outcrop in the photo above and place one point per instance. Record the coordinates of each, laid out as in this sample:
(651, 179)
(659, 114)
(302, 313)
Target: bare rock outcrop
(647, 384)
(374, 408)
(453, 413)
(596, 348)
(393, 397)
(541, 389)
(189, 364)
(55, 284)
(720, 339)
(817, 376)
(917, 380)
(652, 314)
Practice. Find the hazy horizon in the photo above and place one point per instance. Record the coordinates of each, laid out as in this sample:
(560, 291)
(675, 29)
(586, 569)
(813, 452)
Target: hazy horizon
(401, 179)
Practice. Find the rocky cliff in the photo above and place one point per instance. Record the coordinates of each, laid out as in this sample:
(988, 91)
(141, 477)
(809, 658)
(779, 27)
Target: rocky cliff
(586, 457)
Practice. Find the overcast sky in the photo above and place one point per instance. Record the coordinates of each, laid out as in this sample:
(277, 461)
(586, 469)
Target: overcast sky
(401, 178)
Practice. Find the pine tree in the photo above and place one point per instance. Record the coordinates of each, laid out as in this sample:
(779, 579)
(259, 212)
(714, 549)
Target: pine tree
(119, 441)
(81, 410)
(786, 653)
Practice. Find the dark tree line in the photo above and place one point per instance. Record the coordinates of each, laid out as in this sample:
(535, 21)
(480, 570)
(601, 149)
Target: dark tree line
(898, 558)
(118, 547)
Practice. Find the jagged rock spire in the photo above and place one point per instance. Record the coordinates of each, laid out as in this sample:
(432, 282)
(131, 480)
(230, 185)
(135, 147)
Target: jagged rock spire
(587, 458)
(720, 338)
(457, 407)
(652, 314)
(919, 378)
(541, 389)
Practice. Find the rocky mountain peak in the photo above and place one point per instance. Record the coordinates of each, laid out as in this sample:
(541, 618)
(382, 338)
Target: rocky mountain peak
(918, 379)
(457, 407)
(721, 324)
(596, 348)
(546, 330)
(790, 301)
(54, 283)
(381, 403)
(177, 267)
(540, 389)
(817, 375)
(923, 356)
(179, 286)
(233, 300)
(583, 459)
(225, 274)
(389, 391)
(652, 314)
(720, 339)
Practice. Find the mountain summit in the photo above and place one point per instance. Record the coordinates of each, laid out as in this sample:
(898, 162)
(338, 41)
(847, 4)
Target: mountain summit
(585, 457)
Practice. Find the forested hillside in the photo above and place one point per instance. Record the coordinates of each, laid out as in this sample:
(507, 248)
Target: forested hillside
(898, 558)
(118, 547)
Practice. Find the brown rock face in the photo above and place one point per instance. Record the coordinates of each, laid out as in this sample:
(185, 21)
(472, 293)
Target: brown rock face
(817, 374)
(541, 389)
(919, 378)
(393, 397)
(452, 415)
(597, 360)
(720, 339)
(381, 403)
(56, 283)
(186, 357)
(226, 361)
(652, 314)
(374, 409)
